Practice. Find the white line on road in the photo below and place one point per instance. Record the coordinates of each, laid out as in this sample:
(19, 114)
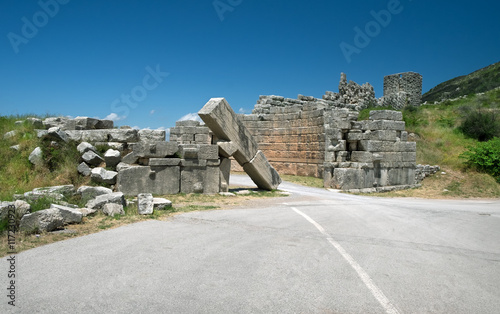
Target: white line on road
(377, 293)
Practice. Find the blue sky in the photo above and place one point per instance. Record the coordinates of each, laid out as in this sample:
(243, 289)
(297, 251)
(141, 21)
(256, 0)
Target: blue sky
(148, 63)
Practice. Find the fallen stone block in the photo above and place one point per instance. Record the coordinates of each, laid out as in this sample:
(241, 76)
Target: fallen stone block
(145, 204)
(227, 126)
(42, 220)
(161, 203)
(87, 211)
(101, 175)
(56, 134)
(89, 192)
(69, 215)
(112, 158)
(99, 201)
(36, 157)
(84, 169)
(84, 147)
(262, 173)
(37, 123)
(112, 209)
(92, 158)
(21, 208)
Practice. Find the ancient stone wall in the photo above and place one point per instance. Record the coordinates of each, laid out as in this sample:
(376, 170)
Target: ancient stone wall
(402, 89)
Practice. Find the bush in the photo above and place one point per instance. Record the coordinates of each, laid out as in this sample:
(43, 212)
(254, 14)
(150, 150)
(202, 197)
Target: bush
(481, 125)
(485, 156)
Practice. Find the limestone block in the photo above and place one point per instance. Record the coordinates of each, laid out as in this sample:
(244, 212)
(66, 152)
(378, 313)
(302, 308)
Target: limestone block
(70, 215)
(159, 180)
(386, 115)
(92, 158)
(101, 175)
(192, 179)
(376, 146)
(36, 157)
(162, 162)
(89, 192)
(350, 178)
(208, 152)
(202, 138)
(99, 201)
(145, 204)
(84, 147)
(112, 158)
(112, 209)
(123, 136)
(193, 162)
(404, 136)
(380, 135)
(130, 158)
(262, 173)
(337, 146)
(355, 136)
(189, 151)
(91, 136)
(56, 134)
(161, 203)
(405, 147)
(191, 123)
(84, 169)
(37, 123)
(211, 181)
(363, 157)
(225, 173)
(225, 124)
(152, 135)
(42, 220)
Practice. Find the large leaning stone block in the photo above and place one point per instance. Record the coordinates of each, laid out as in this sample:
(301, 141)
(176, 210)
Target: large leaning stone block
(262, 173)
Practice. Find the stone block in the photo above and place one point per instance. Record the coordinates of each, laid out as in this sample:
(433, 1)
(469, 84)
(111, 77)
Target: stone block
(189, 151)
(112, 158)
(141, 179)
(225, 124)
(84, 169)
(84, 147)
(226, 149)
(386, 115)
(262, 173)
(101, 175)
(123, 136)
(211, 181)
(89, 192)
(191, 123)
(130, 158)
(375, 146)
(208, 152)
(70, 215)
(92, 158)
(36, 157)
(192, 179)
(193, 163)
(225, 173)
(359, 156)
(112, 209)
(42, 220)
(162, 162)
(152, 135)
(145, 204)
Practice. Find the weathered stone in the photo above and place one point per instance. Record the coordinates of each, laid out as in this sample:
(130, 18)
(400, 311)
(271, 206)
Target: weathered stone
(15, 147)
(140, 179)
(123, 136)
(159, 162)
(161, 203)
(20, 208)
(56, 134)
(155, 150)
(112, 157)
(37, 123)
(262, 173)
(130, 158)
(225, 124)
(84, 147)
(122, 166)
(84, 169)
(145, 203)
(42, 220)
(69, 215)
(87, 211)
(99, 201)
(152, 135)
(36, 157)
(102, 175)
(225, 172)
(89, 192)
(112, 209)
(91, 136)
(386, 115)
(66, 190)
(226, 149)
(92, 158)
(192, 179)
(9, 134)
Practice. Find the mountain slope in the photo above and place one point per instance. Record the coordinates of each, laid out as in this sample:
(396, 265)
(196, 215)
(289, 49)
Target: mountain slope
(480, 81)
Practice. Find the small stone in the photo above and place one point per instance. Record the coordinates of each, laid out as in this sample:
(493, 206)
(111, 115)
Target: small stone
(84, 147)
(227, 194)
(92, 158)
(89, 192)
(101, 175)
(112, 209)
(9, 134)
(15, 147)
(161, 203)
(112, 158)
(57, 134)
(84, 169)
(36, 157)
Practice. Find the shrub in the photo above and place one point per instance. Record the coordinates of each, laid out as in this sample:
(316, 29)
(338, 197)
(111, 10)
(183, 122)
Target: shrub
(413, 117)
(481, 125)
(485, 156)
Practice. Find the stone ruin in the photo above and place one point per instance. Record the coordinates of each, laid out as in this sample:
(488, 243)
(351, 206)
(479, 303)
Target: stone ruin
(322, 138)
(401, 90)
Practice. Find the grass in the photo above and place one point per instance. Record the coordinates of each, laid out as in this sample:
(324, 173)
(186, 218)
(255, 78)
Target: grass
(306, 181)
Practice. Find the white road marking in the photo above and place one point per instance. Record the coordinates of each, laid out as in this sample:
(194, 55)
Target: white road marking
(377, 293)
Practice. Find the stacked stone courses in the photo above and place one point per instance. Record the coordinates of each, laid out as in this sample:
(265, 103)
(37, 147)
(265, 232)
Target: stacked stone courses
(402, 89)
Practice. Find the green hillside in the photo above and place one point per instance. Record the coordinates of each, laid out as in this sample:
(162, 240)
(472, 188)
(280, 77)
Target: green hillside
(479, 81)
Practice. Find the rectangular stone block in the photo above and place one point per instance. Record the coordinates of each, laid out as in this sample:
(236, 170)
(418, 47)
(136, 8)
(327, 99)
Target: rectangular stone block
(386, 115)
(359, 156)
(199, 163)
(262, 173)
(159, 162)
(224, 123)
(141, 179)
(192, 179)
(349, 178)
(211, 182)
(208, 152)
(381, 135)
(122, 136)
(202, 139)
(152, 135)
(375, 146)
(224, 173)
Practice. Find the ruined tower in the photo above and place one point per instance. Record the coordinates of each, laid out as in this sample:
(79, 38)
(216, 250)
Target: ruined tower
(402, 89)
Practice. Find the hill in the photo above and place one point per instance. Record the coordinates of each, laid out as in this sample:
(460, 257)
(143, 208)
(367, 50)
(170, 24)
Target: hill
(479, 81)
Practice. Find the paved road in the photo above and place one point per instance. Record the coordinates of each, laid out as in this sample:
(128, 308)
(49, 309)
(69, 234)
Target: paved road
(313, 252)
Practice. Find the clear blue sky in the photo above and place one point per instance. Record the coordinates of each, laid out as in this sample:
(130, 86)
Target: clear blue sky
(85, 55)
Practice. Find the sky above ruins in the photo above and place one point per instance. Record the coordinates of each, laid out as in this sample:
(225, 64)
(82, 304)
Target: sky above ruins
(149, 63)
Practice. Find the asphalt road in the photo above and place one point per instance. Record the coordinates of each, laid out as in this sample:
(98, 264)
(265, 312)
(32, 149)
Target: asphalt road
(316, 251)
